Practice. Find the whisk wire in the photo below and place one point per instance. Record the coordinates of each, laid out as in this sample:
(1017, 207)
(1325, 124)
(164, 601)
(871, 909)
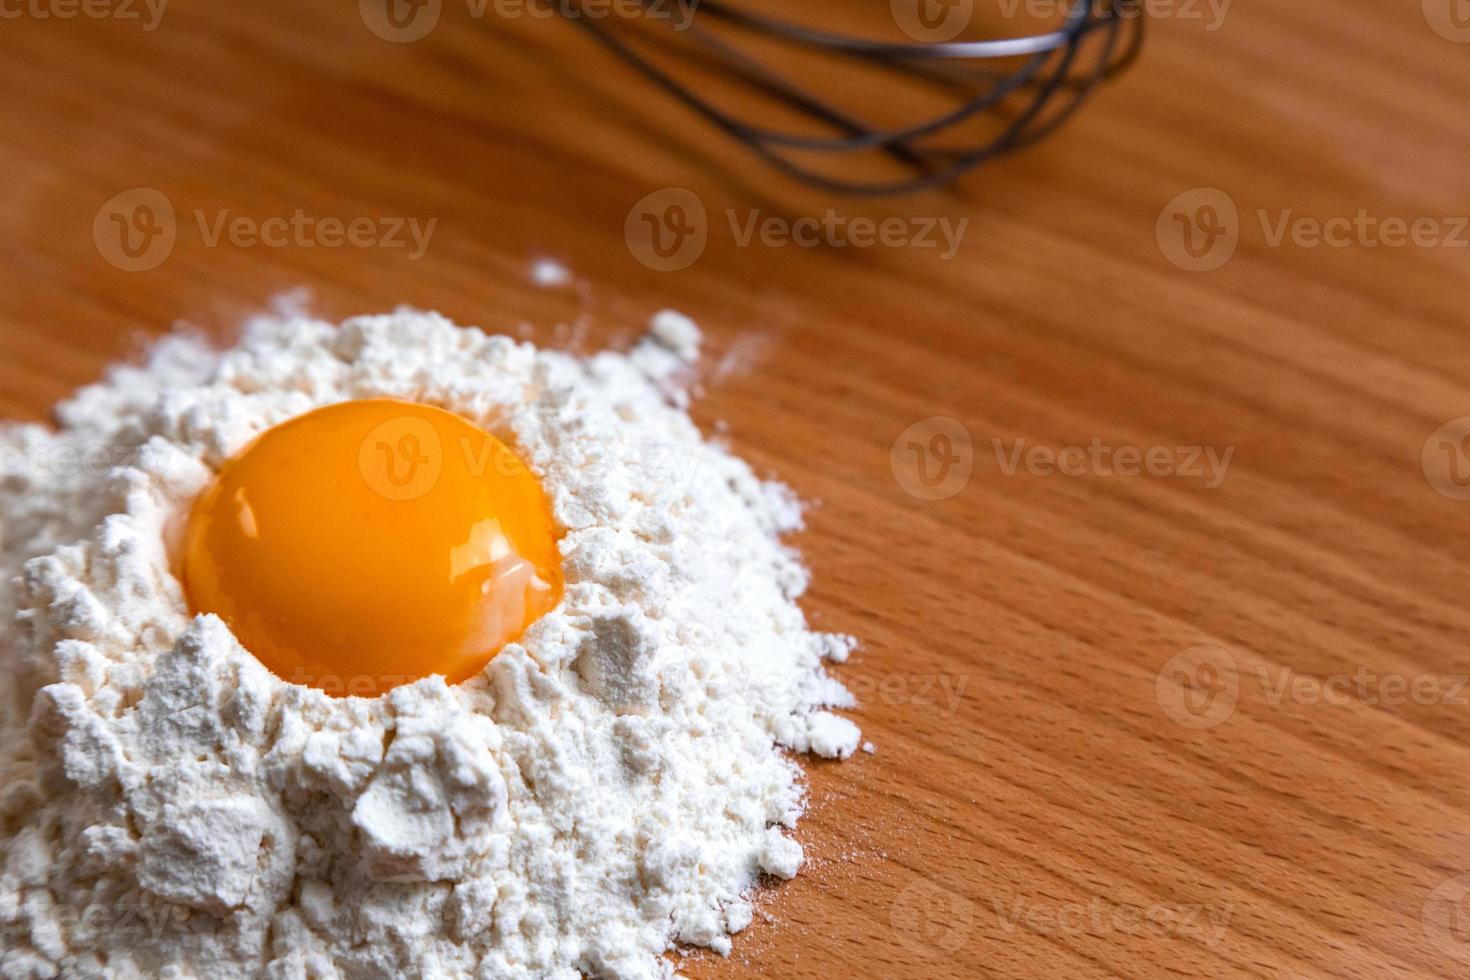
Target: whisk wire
(1047, 69)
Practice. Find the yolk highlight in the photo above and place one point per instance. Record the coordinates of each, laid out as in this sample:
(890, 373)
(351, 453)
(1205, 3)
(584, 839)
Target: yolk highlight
(371, 543)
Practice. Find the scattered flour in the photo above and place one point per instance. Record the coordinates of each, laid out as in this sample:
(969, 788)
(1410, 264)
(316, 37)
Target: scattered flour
(550, 274)
(610, 787)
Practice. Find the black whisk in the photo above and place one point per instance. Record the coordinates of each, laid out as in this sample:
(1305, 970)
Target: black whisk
(1032, 84)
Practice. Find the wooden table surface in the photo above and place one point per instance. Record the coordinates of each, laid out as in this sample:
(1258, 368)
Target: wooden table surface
(1172, 681)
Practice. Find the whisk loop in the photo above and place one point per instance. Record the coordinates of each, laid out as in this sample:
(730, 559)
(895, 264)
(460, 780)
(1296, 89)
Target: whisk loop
(1048, 79)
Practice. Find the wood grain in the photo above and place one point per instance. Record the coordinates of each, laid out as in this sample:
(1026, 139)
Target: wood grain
(1032, 809)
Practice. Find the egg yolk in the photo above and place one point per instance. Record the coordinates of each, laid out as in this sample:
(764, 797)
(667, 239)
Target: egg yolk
(372, 543)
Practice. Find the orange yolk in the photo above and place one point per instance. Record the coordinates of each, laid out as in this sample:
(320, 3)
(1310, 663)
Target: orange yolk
(369, 544)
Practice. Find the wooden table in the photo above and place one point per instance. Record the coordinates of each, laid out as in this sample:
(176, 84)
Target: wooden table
(1135, 715)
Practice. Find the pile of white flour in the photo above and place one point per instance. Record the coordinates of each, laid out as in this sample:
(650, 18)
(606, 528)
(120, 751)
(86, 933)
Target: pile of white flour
(611, 787)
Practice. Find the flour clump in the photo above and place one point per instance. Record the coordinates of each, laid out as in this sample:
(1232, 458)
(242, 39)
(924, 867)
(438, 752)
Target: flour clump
(611, 786)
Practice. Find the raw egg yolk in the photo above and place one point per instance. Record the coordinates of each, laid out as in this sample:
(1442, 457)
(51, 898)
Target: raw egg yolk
(372, 543)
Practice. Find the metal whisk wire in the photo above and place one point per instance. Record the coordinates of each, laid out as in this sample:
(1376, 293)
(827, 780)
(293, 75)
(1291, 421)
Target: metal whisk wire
(1051, 68)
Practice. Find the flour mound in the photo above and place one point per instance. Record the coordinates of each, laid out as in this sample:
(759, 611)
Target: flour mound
(609, 788)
